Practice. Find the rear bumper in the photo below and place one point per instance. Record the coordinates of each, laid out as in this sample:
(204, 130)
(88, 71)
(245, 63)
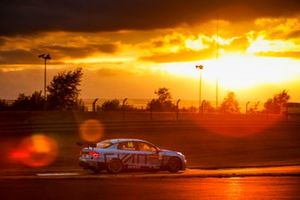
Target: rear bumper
(91, 165)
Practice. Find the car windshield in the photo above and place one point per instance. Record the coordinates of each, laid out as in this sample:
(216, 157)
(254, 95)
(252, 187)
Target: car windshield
(104, 144)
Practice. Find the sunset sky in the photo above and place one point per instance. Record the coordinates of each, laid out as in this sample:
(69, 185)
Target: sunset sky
(129, 48)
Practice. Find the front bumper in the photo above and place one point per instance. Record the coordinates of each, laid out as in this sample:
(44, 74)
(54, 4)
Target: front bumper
(183, 165)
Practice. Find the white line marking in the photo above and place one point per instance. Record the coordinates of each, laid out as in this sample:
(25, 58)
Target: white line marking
(58, 174)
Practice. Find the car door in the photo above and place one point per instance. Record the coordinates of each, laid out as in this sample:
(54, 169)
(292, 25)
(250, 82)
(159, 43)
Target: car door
(127, 152)
(148, 155)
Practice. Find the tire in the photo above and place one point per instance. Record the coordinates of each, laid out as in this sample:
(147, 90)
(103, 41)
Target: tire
(174, 165)
(115, 166)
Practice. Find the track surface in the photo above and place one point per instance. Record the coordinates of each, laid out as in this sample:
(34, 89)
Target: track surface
(268, 188)
(189, 173)
(239, 183)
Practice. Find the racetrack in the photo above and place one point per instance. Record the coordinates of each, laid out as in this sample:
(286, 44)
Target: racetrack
(225, 160)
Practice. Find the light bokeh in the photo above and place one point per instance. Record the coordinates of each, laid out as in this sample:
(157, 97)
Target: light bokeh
(91, 130)
(38, 150)
(239, 126)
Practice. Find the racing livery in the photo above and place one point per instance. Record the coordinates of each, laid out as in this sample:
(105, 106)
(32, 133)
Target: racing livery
(116, 155)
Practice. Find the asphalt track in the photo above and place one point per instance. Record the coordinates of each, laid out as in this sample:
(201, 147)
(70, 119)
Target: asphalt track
(188, 173)
(239, 183)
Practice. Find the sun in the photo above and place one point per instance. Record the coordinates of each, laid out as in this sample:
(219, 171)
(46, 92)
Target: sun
(239, 71)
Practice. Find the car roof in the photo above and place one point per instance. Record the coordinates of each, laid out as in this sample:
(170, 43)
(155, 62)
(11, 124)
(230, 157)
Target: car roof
(117, 140)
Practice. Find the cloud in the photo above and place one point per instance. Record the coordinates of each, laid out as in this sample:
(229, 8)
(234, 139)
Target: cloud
(58, 52)
(83, 51)
(18, 57)
(282, 54)
(294, 34)
(27, 17)
(181, 56)
(2, 41)
(110, 72)
(236, 45)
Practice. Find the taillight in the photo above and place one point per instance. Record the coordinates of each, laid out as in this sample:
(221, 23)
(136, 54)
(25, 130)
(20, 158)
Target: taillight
(94, 154)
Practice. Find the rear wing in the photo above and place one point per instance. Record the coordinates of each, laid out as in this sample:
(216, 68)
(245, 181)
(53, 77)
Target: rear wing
(86, 144)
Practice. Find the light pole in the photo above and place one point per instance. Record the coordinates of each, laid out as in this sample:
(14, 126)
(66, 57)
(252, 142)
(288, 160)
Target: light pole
(45, 57)
(200, 67)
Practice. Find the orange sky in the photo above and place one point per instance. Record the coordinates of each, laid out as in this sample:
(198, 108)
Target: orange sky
(132, 53)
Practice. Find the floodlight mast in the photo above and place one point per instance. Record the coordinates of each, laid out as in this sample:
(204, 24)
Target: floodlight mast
(200, 67)
(45, 57)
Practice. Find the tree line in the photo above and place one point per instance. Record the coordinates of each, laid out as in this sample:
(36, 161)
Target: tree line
(63, 94)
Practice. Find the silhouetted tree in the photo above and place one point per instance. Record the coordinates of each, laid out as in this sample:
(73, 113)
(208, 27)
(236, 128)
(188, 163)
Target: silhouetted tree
(31, 102)
(63, 91)
(3, 105)
(111, 105)
(163, 101)
(207, 107)
(253, 108)
(230, 104)
(275, 104)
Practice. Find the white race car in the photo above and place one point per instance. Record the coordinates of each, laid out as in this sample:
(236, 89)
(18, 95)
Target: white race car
(116, 155)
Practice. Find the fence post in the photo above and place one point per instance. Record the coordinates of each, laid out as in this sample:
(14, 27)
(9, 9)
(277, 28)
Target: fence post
(123, 108)
(94, 104)
(177, 109)
(151, 112)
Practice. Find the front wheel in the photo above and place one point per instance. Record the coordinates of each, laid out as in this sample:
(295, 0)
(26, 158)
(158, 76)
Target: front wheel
(174, 165)
(114, 166)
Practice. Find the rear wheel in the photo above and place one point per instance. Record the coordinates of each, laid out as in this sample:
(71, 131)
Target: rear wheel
(115, 166)
(174, 165)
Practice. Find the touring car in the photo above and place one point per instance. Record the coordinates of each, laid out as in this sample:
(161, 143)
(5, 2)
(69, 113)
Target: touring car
(116, 155)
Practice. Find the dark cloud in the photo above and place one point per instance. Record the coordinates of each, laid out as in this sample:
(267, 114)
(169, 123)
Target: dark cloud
(58, 52)
(182, 56)
(2, 41)
(25, 17)
(107, 48)
(18, 57)
(80, 52)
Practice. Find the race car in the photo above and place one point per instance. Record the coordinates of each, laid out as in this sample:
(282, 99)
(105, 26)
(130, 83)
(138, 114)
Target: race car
(117, 155)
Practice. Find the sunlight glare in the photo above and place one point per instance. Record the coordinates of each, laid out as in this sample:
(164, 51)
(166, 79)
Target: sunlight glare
(238, 71)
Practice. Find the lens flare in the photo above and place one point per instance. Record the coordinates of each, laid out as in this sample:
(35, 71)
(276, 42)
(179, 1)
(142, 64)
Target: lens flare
(36, 151)
(242, 127)
(91, 130)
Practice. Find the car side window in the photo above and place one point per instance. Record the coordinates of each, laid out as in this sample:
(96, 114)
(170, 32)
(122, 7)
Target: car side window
(146, 147)
(128, 146)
